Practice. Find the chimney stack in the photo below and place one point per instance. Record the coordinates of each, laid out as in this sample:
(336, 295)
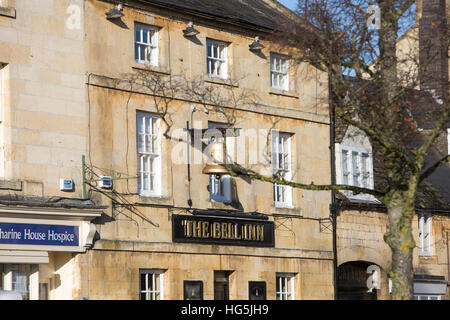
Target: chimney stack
(433, 30)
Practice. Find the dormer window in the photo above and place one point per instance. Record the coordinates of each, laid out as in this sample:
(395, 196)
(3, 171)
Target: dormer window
(356, 170)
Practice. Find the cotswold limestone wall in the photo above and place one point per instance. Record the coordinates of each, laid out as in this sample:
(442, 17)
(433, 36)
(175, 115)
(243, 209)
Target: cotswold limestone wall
(360, 238)
(313, 280)
(129, 241)
(43, 95)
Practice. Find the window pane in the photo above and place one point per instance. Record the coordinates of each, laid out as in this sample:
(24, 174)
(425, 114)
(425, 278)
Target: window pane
(277, 64)
(281, 82)
(154, 144)
(143, 285)
(222, 52)
(355, 168)
(214, 67)
(138, 34)
(141, 143)
(151, 182)
(345, 167)
(364, 176)
(145, 36)
(145, 181)
(136, 52)
(215, 51)
(145, 167)
(154, 125)
(148, 145)
(219, 69)
(142, 52)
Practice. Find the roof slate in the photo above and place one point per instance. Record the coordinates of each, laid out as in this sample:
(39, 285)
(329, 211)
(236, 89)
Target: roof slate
(251, 12)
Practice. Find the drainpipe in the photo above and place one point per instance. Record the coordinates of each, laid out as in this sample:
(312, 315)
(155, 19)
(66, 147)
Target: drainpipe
(333, 206)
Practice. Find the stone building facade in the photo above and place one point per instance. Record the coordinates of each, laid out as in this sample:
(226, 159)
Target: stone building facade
(87, 95)
(42, 130)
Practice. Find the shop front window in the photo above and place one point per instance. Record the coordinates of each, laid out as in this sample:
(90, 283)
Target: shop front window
(17, 278)
(20, 279)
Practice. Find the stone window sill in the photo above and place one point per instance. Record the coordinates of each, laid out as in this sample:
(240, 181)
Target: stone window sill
(287, 210)
(216, 80)
(284, 93)
(145, 67)
(158, 200)
(221, 205)
(9, 12)
(428, 259)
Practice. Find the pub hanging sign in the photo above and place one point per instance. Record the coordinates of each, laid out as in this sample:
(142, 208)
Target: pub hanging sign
(227, 231)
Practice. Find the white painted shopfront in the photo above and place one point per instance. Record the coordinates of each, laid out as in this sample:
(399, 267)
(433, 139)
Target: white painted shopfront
(37, 246)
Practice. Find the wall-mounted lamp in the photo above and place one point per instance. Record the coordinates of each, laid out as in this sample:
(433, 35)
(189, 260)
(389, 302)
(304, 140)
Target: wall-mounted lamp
(194, 108)
(115, 13)
(190, 31)
(256, 45)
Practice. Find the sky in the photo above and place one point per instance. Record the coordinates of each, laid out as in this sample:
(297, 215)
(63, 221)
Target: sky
(291, 4)
(404, 24)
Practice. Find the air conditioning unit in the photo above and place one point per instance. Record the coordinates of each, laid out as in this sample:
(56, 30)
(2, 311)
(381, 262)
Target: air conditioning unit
(66, 184)
(105, 182)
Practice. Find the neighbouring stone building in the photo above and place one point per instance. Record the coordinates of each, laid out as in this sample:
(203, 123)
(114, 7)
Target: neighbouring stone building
(97, 102)
(362, 219)
(43, 138)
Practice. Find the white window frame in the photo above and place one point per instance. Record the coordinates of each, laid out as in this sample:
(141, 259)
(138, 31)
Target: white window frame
(282, 144)
(219, 189)
(150, 47)
(144, 155)
(217, 58)
(425, 235)
(279, 70)
(351, 177)
(151, 277)
(285, 280)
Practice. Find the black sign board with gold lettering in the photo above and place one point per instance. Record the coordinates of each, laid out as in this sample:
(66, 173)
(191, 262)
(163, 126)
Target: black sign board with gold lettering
(226, 231)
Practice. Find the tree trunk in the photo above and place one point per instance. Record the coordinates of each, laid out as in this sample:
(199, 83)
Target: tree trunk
(401, 241)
